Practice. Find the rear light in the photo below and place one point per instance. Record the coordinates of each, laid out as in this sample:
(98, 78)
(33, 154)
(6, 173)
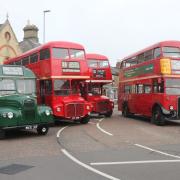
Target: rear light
(165, 65)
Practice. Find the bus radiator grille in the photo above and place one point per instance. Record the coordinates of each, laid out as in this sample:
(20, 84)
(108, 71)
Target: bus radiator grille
(74, 110)
(102, 106)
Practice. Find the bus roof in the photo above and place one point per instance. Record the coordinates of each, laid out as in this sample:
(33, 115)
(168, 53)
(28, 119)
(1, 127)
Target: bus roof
(95, 56)
(160, 44)
(15, 71)
(61, 44)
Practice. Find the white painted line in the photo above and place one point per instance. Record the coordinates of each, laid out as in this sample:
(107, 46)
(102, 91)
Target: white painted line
(92, 123)
(60, 131)
(87, 166)
(157, 151)
(98, 126)
(133, 162)
(66, 153)
(94, 119)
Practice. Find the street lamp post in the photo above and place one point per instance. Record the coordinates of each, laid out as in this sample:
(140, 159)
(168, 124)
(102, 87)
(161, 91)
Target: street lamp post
(44, 12)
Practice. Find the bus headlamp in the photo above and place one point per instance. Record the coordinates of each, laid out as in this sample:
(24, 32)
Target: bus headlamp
(58, 109)
(10, 115)
(47, 112)
(171, 108)
(87, 107)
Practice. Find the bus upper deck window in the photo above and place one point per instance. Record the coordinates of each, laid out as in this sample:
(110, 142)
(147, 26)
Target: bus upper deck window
(44, 54)
(60, 53)
(92, 63)
(141, 58)
(34, 58)
(157, 52)
(77, 54)
(103, 64)
(128, 64)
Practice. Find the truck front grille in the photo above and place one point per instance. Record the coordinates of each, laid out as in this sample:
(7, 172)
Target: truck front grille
(29, 109)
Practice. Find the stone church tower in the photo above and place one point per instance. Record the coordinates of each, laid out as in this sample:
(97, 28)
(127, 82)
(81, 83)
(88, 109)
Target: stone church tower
(30, 40)
(9, 46)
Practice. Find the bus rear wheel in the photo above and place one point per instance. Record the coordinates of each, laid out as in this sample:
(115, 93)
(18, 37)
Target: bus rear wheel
(85, 120)
(42, 129)
(157, 117)
(125, 111)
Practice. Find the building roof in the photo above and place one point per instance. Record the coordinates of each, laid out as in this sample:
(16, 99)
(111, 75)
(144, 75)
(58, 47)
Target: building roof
(28, 44)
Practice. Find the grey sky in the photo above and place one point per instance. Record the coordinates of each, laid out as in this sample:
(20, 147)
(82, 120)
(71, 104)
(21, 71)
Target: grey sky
(115, 28)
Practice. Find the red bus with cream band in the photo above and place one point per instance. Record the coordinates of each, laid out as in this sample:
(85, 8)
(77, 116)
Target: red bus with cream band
(60, 67)
(100, 74)
(150, 83)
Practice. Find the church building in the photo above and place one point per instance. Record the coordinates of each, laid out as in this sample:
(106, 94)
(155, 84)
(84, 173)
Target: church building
(9, 45)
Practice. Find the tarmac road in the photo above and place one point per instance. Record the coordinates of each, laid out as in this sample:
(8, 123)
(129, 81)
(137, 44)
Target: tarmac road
(113, 148)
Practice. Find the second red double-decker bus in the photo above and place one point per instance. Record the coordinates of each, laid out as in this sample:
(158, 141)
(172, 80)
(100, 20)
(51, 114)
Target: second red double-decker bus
(150, 83)
(59, 67)
(100, 72)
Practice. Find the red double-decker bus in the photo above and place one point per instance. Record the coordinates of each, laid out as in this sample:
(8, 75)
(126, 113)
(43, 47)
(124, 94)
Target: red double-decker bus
(59, 67)
(150, 83)
(100, 72)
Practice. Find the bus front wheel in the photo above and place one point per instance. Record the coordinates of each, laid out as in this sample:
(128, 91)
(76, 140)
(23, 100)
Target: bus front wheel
(157, 116)
(109, 114)
(85, 120)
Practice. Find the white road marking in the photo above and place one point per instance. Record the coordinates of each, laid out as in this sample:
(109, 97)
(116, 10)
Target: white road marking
(133, 162)
(87, 166)
(95, 119)
(91, 123)
(98, 126)
(60, 131)
(157, 151)
(67, 154)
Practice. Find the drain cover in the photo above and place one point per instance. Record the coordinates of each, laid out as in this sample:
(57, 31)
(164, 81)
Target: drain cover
(14, 169)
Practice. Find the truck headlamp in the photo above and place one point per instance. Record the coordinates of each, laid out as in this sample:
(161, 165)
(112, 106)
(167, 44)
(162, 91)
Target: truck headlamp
(47, 112)
(10, 115)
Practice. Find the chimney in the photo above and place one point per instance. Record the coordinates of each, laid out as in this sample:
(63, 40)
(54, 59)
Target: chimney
(31, 32)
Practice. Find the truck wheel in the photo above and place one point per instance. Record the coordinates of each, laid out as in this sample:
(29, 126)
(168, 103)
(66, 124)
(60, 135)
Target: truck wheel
(2, 134)
(42, 129)
(157, 116)
(109, 114)
(125, 111)
(85, 120)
